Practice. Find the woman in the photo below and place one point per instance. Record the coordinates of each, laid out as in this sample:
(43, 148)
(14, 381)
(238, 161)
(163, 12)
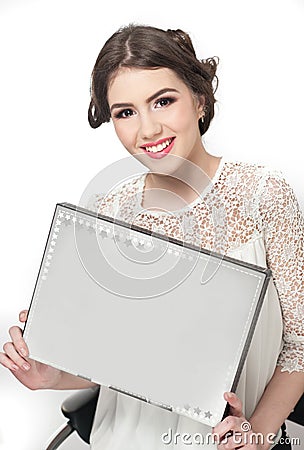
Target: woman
(160, 98)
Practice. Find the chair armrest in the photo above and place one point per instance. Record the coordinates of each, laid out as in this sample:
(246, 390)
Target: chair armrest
(80, 408)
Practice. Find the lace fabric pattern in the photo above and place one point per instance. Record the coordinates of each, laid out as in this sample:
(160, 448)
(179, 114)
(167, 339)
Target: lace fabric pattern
(245, 202)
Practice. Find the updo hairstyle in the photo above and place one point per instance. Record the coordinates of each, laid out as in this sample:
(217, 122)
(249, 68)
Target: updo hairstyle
(148, 47)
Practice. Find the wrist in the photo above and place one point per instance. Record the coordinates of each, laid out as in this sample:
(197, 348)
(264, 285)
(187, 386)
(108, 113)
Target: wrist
(265, 438)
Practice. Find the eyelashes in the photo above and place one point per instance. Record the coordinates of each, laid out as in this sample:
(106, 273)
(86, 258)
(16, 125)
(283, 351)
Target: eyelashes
(165, 101)
(159, 104)
(124, 114)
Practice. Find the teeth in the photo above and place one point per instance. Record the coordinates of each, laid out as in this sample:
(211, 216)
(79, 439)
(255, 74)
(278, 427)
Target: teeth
(159, 147)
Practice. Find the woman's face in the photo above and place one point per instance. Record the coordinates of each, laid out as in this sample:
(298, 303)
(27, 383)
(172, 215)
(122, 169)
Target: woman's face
(155, 114)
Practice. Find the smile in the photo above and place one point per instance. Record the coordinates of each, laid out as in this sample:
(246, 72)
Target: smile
(160, 148)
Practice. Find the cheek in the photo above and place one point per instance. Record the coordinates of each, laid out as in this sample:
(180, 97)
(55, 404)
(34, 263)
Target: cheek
(125, 134)
(183, 118)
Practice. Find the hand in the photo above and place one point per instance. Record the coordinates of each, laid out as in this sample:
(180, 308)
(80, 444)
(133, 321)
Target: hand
(30, 373)
(234, 431)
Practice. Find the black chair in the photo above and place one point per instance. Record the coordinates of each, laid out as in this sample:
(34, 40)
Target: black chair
(80, 410)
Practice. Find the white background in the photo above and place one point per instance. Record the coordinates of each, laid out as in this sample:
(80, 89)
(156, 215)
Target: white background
(49, 153)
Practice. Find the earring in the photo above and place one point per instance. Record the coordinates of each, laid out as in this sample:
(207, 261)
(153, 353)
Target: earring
(203, 114)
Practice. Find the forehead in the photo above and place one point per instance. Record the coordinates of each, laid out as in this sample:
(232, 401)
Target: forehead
(131, 81)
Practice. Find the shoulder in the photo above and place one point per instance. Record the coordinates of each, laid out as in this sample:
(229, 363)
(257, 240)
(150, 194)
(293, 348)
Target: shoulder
(252, 177)
(250, 169)
(268, 188)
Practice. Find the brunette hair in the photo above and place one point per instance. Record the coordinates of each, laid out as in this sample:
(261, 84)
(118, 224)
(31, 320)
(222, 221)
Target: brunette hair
(149, 47)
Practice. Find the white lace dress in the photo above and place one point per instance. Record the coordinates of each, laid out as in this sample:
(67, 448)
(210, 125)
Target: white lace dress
(264, 226)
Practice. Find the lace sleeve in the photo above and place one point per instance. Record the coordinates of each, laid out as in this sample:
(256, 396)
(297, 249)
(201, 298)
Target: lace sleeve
(283, 226)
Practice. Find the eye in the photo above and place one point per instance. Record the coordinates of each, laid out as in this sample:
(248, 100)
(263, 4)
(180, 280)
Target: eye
(165, 101)
(124, 114)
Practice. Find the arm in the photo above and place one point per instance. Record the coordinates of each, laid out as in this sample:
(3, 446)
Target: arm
(68, 381)
(283, 227)
(280, 397)
(284, 241)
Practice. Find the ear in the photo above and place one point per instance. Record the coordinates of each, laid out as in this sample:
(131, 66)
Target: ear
(200, 106)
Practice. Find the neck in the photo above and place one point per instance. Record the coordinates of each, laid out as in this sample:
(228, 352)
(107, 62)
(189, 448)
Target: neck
(185, 184)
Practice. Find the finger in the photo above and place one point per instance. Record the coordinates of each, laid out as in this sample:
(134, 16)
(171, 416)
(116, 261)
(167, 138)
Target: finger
(236, 407)
(6, 362)
(23, 315)
(232, 442)
(238, 440)
(18, 341)
(230, 423)
(16, 359)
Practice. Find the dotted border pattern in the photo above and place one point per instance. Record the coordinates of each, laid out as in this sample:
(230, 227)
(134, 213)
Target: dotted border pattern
(187, 410)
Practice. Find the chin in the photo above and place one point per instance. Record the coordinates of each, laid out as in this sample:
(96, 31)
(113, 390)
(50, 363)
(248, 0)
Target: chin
(168, 165)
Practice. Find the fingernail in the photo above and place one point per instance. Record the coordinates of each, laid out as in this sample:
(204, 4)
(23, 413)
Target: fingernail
(23, 351)
(26, 366)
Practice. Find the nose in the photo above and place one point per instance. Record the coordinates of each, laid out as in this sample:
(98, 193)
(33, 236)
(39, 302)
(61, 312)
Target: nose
(150, 127)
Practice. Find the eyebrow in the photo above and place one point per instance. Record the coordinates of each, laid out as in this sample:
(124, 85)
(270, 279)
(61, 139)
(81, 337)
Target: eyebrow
(153, 97)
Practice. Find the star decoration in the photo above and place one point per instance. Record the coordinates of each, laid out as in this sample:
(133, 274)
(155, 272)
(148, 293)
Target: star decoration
(103, 234)
(187, 407)
(208, 414)
(197, 411)
(128, 242)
